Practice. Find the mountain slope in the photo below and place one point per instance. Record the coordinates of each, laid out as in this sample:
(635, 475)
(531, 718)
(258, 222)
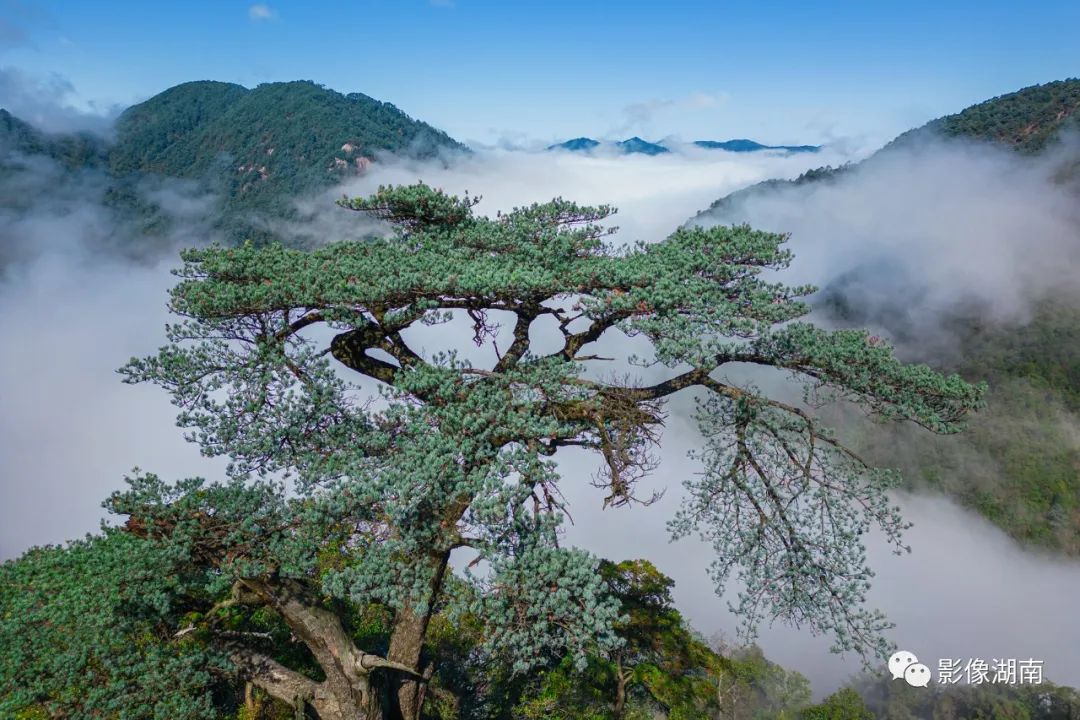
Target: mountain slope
(1019, 462)
(581, 144)
(637, 145)
(72, 151)
(257, 150)
(264, 147)
(1025, 120)
(283, 135)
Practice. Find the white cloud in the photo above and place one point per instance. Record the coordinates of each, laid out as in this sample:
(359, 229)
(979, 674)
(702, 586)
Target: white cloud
(259, 12)
(948, 223)
(654, 194)
(106, 427)
(49, 102)
(704, 100)
(639, 116)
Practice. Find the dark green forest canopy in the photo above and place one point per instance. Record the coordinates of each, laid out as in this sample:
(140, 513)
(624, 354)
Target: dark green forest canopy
(265, 148)
(256, 152)
(86, 631)
(74, 151)
(293, 131)
(93, 625)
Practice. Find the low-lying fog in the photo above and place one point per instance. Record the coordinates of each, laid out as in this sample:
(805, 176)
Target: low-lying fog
(976, 223)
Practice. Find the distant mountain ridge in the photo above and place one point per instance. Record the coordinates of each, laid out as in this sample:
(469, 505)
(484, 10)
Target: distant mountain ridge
(637, 145)
(744, 145)
(642, 147)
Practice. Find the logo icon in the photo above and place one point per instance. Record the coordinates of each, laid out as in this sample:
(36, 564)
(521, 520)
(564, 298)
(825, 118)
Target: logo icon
(899, 661)
(917, 675)
(904, 664)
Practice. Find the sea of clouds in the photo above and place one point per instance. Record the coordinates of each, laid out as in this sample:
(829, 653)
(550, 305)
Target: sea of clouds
(950, 222)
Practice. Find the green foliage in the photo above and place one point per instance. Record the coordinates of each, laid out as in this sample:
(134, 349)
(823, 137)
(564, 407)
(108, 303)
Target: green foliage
(75, 151)
(257, 151)
(645, 601)
(261, 149)
(696, 296)
(730, 203)
(660, 660)
(1027, 119)
(85, 629)
(567, 693)
(664, 668)
(295, 130)
(842, 705)
(1019, 465)
(896, 700)
(754, 687)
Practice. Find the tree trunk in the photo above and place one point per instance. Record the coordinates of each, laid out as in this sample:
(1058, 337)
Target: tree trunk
(358, 685)
(406, 645)
(346, 693)
(620, 691)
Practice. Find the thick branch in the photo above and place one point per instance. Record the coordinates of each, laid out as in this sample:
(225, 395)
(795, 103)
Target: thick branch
(369, 662)
(350, 349)
(318, 628)
(576, 341)
(298, 325)
(525, 316)
(277, 680)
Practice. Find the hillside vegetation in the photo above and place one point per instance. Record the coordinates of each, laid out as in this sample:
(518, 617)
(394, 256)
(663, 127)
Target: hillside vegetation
(19, 138)
(277, 140)
(1019, 462)
(256, 150)
(1025, 120)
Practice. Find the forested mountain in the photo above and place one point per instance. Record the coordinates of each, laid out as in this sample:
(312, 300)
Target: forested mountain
(1025, 120)
(577, 144)
(257, 150)
(239, 601)
(643, 147)
(72, 151)
(277, 140)
(630, 146)
(1019, 462)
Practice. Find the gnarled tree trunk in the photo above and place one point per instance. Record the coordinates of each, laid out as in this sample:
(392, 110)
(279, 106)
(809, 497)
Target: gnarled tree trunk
(348, 692)
(406, 645)
(621, 677)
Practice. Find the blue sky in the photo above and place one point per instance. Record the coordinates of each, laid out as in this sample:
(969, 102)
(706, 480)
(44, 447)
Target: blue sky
(485, 70)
